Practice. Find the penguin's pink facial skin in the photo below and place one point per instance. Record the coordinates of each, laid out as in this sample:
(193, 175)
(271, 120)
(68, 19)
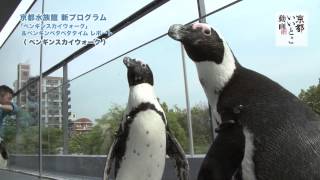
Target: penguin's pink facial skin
(205, 28)
(202, 43)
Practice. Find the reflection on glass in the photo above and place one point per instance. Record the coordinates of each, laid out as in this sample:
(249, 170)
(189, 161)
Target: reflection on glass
(19, 67)
(21, 131)
(52, 115)
(108, 88)
(134, 35)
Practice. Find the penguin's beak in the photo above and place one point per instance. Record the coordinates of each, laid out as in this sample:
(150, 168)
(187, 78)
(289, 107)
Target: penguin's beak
(175, 32)
(128, 62)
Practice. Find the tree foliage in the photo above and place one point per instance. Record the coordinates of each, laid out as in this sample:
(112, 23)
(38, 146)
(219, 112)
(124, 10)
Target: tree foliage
(52, 140)
(99, 139)
(25, 138)
(311, 96)
(21, 134)
(175, 118)
(201, 126)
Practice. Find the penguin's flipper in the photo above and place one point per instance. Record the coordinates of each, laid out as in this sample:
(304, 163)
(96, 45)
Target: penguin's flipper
(175, 151)
(112, 153)
(110, 157)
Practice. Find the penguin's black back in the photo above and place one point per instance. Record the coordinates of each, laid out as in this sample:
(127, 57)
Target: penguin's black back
(286, 132)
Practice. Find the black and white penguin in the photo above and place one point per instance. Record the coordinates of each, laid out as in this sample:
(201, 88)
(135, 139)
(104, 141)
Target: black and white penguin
(143, 138)
(264, 131)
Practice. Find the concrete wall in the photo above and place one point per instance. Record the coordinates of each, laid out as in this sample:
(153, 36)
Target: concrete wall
(90, 166)
(11, 175)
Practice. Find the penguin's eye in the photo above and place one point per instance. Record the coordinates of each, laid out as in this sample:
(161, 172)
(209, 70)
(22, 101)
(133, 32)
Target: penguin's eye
(207, 32)
(144, 65)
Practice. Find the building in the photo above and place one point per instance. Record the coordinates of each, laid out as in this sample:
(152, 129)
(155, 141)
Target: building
(51, 96)
(23, 77)
(72, 116)
(81, 125)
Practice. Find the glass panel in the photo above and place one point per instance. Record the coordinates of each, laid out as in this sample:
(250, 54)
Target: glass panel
(92, 105)
(143, 30)
(101, 96)
(84, 23)
(52, 135)
(19, 66)
(97, 100)
(214, 5)
(21, 132)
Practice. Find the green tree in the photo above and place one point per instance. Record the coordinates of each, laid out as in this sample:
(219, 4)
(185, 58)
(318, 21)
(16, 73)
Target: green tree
(52, 140)
(19, 135)
(27, 141)
(175, 120)
(311, 96)
(91, 142)
(99, 139)
(202, 135)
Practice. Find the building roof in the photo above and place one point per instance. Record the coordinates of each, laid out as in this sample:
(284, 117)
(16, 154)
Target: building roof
(83, 120)
(53, 78)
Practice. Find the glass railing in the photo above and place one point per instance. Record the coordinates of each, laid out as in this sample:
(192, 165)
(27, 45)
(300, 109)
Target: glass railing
(81, 112)
(107, 85)
(21, 131)
(20, 64)
(101, 95)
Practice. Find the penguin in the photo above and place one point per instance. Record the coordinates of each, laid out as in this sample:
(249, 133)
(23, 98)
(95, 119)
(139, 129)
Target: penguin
(144, 138)
(264, 131)
(4, 154)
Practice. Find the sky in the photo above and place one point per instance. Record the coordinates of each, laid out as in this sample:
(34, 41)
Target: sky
(249, 27)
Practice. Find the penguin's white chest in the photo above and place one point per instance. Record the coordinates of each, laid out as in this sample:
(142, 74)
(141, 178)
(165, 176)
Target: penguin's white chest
(213, 78)
(144, 158)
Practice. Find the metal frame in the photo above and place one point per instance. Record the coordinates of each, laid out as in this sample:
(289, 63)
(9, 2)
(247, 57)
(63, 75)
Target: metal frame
(201, 11)
(189, 117)
(16, 24)
(65, 118)
(40, 99)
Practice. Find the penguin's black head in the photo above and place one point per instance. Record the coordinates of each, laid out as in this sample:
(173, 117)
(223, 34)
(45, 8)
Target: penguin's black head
(138, 72)
(202, 43)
